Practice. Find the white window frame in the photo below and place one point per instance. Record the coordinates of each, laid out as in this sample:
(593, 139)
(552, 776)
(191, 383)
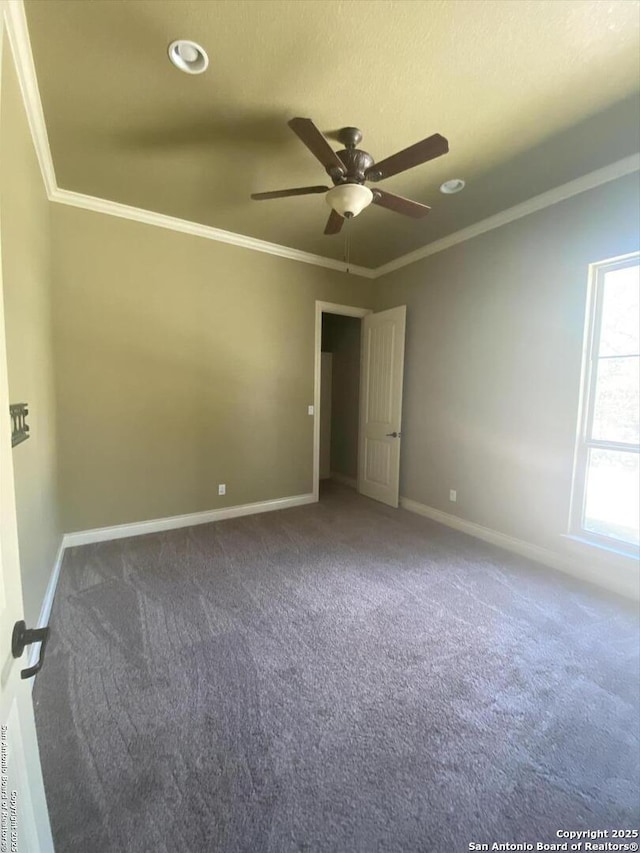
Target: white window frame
(584, 442)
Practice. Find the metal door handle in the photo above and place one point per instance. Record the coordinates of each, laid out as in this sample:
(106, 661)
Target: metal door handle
(394, 434)
(23, 636)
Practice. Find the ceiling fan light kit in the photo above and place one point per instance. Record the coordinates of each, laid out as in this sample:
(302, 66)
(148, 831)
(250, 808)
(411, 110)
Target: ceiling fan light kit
(349, 199)
(351, 167)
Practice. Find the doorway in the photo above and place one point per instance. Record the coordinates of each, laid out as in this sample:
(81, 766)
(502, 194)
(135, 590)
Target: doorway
(337, 368)
(339, 398)
(379, 382)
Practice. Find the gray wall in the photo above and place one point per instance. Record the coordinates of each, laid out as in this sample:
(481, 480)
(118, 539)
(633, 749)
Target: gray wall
(493, 360)
(341, 336)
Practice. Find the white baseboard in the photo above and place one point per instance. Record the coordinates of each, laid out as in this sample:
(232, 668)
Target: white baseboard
(622, 580)
(140, 528)
(344, 479)
(47, 603)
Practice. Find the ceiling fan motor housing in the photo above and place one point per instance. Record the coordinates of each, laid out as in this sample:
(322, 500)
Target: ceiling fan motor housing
(350, 196)
(356, 163)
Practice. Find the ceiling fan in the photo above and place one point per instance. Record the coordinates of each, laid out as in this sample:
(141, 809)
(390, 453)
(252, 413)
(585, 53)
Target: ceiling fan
(351, 167)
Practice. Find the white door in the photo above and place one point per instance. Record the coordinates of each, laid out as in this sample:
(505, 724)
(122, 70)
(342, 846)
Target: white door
(381, 404)
(24, 811)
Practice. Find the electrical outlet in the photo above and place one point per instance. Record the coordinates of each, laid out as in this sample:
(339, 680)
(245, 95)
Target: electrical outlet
(453, 495)
(310, 410)
(222, 489)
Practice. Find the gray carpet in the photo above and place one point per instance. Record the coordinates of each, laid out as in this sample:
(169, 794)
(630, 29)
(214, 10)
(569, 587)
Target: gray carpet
(339, 677)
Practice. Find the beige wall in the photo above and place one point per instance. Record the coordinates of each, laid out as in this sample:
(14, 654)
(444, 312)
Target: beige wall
(24, 212)
(341, 337)
(182, 363)
(492, 369)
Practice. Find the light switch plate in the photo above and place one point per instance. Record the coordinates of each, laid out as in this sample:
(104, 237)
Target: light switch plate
(310, 410)
(222, 489)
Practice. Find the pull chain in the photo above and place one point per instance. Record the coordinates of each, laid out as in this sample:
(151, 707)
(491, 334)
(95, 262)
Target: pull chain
(347, 243)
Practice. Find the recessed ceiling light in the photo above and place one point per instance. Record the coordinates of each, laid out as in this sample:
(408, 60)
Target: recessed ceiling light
(452, 186)
(188, 56)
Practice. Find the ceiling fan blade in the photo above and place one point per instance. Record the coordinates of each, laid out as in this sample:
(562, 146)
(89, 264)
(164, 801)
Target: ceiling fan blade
(334, 223)
(400, 204)
(428, 149)
(285, 193)
(308, 133)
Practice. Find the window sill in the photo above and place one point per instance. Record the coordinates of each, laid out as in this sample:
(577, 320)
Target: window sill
(603, 552)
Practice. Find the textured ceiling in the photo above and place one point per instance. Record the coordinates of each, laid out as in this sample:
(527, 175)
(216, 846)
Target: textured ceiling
(530, 94)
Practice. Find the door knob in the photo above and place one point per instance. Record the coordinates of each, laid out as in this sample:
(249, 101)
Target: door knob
(23, 636)
(394, 434)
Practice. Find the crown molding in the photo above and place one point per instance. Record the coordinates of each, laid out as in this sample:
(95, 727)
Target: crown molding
(626, 166)
(619, 169)
(18, 34)
(161, 220)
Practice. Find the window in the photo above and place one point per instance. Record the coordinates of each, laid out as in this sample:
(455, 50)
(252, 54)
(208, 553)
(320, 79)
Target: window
(606, 489)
